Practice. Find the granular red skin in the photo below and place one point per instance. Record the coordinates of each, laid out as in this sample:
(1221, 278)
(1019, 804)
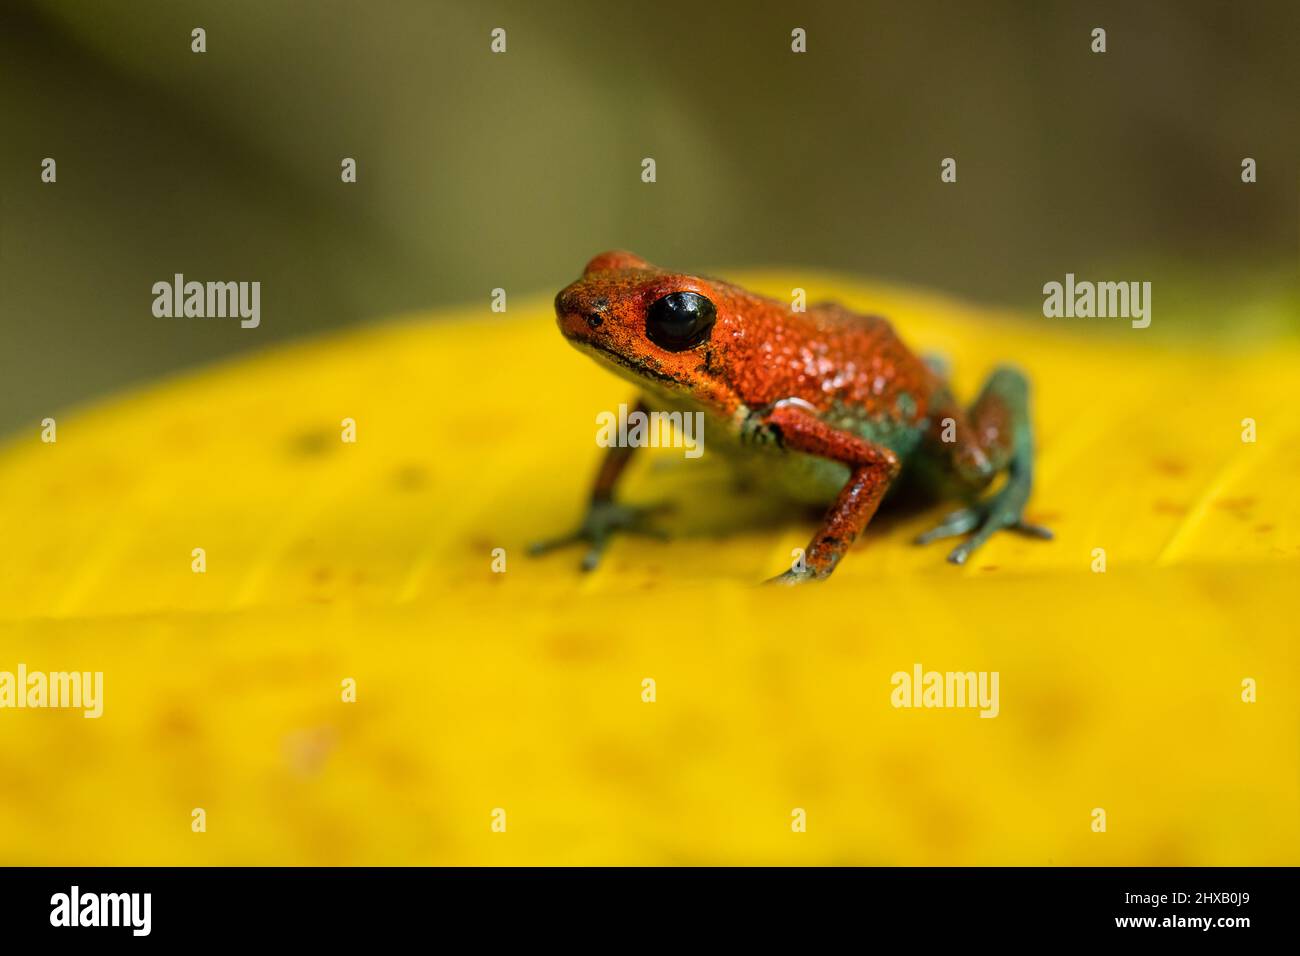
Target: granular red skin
(814, 381)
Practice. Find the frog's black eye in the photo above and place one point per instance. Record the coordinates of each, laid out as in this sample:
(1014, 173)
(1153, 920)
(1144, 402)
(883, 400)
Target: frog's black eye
(680, 321)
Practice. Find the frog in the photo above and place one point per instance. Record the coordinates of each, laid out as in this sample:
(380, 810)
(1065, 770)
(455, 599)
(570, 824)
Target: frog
(823, 405)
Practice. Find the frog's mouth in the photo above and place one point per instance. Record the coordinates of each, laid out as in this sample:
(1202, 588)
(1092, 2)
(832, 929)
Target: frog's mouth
(639, 373)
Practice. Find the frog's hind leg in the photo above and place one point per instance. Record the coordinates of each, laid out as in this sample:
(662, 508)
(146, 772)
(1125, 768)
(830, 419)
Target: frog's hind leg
(938, 363)
(995, 435)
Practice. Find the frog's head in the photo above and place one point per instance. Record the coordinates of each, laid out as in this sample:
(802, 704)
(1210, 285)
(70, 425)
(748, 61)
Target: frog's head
(662, 330)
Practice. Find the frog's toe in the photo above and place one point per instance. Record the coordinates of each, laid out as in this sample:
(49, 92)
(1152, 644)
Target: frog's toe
(959, 554)
(957, 523)
(603, 520)
(791, 578)
(546, 545)
(991, 519)
(994, 517)
(591, 560)
(981, 522)
(1033, 530)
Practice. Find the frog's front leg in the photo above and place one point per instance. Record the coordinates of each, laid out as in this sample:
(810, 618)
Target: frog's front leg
(604, 515)
(871, 469)
(994, 435)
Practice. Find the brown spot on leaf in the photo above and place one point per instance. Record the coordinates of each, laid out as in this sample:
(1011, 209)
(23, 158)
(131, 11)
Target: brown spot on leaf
(411, 477)
(568, 646)
(1237, 507)
(310, 444)
(305, 750)
(177, 722)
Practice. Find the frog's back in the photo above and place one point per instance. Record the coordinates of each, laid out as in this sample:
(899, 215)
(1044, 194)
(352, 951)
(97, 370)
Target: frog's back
(853, 369)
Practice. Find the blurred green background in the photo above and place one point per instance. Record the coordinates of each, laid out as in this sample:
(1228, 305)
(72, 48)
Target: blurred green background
(479, 170)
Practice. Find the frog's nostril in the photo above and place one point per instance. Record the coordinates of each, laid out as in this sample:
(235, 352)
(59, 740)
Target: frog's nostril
(566, 302)
(594, 320)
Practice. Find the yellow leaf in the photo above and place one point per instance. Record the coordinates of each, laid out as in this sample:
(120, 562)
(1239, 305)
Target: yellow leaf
(522, 691)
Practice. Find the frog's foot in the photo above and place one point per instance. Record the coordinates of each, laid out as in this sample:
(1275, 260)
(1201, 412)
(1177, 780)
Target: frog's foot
(602, 520)
(981, 520)
(791, 578)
